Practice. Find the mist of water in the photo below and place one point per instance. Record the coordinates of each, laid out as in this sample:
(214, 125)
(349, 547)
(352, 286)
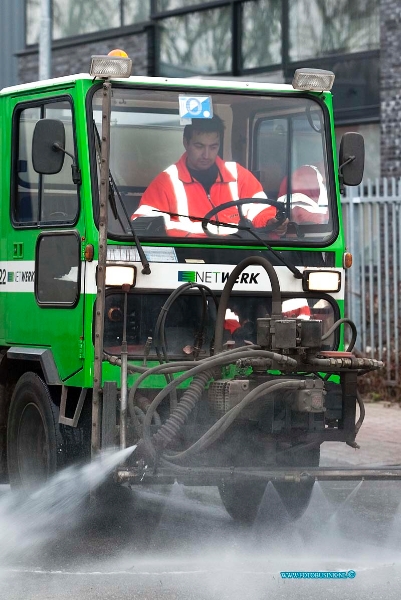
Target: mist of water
(26, 522)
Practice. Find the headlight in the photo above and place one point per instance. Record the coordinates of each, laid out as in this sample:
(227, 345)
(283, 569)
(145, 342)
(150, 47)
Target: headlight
(321, 281)
(118, 276)
(313, 80)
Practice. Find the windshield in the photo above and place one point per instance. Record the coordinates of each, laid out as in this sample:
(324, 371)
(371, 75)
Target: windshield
(257, 163)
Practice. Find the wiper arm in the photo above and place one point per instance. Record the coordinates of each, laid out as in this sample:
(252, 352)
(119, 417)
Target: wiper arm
(296, 272)
(113, 191)
(145, 263)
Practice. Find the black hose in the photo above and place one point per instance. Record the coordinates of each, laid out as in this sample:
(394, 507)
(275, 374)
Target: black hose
(159, 331)
(178, 367)
(361, 405)
(221, 313)
(225, 358)
(171, 428)
(217, 430)
(337, 325)
(159, 335)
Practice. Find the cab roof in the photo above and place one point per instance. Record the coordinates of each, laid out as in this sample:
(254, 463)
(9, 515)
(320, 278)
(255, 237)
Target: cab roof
(168, 81)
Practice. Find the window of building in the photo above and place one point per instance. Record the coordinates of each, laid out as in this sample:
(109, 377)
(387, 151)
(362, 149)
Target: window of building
(135, 11)
(319, 28)
(196, 43)
(43, 199)
(261, 33)
(71, 18)
(32, 19)
(163, 5)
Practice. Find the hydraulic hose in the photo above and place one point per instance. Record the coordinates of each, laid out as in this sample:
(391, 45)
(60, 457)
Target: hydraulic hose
(159, 332)
(225, 358)
(361, 405)
(226, 420)
(337, 325)
(178, 367)
(170, 429)
(221, 313)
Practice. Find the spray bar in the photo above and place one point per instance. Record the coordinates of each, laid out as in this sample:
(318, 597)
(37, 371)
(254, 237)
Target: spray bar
(215, 476)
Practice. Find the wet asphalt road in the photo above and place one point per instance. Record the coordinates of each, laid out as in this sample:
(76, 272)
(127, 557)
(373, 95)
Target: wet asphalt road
(179, 543)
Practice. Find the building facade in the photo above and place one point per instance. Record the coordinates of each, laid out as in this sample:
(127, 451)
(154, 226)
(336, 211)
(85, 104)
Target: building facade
(262, 39)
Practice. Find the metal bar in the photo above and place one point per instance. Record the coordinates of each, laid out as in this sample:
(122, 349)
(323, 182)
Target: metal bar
(348, 299)
(399, 271)
(101, 269)
(379, 282)
(387, 282)
(285, 42)
(395, 289)
(353, 272)
(215, 476)
(124, 376)
(63, 404)
(45, 40)
(361, 227)
(236, 42)
(109, 414)
(371, 287)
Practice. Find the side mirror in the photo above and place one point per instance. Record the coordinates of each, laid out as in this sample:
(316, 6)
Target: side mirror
(351, 159)
(48, 143)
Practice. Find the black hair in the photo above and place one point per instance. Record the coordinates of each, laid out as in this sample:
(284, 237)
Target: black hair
(215, 124)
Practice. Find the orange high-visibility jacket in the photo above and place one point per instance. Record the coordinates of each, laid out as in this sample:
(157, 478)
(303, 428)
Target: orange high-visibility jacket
(176, 191)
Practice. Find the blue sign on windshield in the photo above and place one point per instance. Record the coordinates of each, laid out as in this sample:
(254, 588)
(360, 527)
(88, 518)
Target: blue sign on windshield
(196, 107)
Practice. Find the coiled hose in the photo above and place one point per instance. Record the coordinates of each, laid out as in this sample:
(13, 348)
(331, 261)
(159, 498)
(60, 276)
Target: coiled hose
(336, 326)
(171, 428)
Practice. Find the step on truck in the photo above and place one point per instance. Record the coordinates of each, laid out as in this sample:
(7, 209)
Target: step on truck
(214, 344)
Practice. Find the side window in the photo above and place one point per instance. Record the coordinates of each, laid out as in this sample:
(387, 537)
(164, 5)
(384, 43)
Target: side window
(57, 269)
(272, 154)
(26, 198)
(43, 199)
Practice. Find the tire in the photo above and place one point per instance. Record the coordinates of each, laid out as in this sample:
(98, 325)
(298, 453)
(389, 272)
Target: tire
(37, 446)
(296, 496)
(242, 500)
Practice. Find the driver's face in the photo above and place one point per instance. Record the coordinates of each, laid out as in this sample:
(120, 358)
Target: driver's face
(202, 150)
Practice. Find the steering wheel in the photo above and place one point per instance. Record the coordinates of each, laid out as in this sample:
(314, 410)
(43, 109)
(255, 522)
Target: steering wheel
(280, 216)
(58, 213)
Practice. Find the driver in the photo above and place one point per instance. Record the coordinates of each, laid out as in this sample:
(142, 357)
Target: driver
(201, 181)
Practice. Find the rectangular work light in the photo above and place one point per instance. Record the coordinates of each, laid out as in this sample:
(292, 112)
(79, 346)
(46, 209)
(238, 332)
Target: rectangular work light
(321, 281)
(110, 66)
(317, 80)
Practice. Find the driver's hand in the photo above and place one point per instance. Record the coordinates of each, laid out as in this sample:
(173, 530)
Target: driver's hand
(279, 228)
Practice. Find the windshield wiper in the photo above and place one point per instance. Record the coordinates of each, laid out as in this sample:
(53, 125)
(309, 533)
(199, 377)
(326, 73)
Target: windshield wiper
(145, 263)
(113, 191)
(296, 272)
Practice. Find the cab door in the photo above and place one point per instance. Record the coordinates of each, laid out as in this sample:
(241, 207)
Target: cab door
(44, 268)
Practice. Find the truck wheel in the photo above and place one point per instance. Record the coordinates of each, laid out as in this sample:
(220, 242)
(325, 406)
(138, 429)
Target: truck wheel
(242, 500)
(34, 442)
(296, 496)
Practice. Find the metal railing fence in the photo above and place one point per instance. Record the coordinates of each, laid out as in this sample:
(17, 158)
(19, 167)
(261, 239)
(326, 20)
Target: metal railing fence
(372, 220)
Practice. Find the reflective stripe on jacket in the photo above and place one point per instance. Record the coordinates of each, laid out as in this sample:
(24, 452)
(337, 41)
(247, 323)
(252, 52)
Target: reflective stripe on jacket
(176, 191)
